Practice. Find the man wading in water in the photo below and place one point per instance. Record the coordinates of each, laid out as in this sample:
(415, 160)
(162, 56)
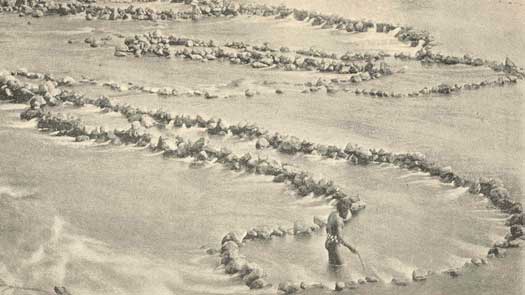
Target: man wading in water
(334, 234)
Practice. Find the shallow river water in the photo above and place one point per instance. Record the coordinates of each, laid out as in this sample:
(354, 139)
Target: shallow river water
(101, 219)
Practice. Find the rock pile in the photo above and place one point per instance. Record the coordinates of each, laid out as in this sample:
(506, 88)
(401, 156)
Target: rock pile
(425, 55)
(15, 90)
(257, 57)
(441, 89)
(312, 52)
(70, 126)
(251, 274)
(49, 93)
(213, 8)
(494, 190)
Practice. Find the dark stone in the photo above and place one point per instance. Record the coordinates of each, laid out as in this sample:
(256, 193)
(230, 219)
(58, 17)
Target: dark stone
(259, 284)
(517, 208)
(340, 286)
(398, 281)
(453, 272)
(235, 265)
(254, 274)
(493, 251)
(516, 231)
(280, 178)
(289, 287)
(515, 219)
(61, 291)
(82, 138)
(229, 246)
(262, 143)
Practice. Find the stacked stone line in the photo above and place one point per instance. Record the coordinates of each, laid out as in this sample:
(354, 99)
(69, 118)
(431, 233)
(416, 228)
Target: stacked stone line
(38, 96)
(312, 52)
(252, 275)
(441, 89)
(493, 189)
(62, 125)
(426, 56)
(211, 8)
(285, 144)
(293, 145)
(68, 81)
(164, 46)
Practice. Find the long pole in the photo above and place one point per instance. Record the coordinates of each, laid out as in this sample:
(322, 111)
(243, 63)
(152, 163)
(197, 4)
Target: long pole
(361, 260)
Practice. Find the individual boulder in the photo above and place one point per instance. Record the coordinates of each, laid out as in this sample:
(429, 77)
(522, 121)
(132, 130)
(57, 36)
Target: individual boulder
(37, 101)
(357, 206)
(340, 286)
(300, 229)
(263, 232)
(229, 246)
(516, 231)
(262, 143)
(255, 274)
(478, 261)
(82, 138)
(147, 121)
(235, 265)
(280, 178)
(37, 13)
(249, 93)
(291, 145)
(61, 291)
(509, 66)
(453, 272)
(517, 208)
(259, 284)
(209, 95)
(515, 219)
(67, 81)
(399, 281)
(278, 232)
(30, 114)
(289, 287)
(419, 275)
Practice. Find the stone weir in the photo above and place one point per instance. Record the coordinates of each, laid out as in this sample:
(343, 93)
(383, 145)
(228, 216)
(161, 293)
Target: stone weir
(14, 89)
(351, 68)
(491, 188)
(210, 8)
(258, 57)
(49, 93)
(202, 153)
(214, 8)
(332, 87)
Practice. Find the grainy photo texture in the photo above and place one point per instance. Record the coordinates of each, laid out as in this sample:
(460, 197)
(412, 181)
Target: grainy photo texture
(188, 147)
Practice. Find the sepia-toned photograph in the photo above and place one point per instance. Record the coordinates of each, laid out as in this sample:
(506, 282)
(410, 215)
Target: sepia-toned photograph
(262, 147)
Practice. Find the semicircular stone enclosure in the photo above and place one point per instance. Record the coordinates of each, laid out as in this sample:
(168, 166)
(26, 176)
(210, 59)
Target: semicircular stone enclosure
(197, 147)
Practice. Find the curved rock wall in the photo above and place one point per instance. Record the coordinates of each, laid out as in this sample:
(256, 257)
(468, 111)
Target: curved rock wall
(49, 93)
(53, 92)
